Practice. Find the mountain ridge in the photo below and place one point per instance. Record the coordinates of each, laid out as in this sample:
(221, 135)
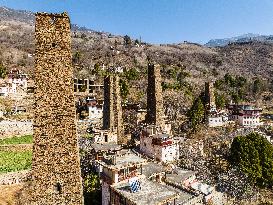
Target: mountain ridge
(92, 49)
(244, 38)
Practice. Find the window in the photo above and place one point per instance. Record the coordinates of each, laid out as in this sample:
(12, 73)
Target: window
(58, 188)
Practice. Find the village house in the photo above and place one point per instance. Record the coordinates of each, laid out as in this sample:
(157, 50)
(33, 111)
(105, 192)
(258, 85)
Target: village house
(159, 145)
(129, 179)
(15, 80)
(18, 78)
(7, 89)
(245, 115)
(95, 109)
(103, 136)
(217, 119)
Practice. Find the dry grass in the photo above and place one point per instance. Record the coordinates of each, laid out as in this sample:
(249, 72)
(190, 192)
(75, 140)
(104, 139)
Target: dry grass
(8, 193)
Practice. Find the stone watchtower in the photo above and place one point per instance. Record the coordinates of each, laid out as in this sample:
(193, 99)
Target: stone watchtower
(155, 113)
(56, 176)
(108, 106)
(112, 110)
(118, 110)
(210, 97)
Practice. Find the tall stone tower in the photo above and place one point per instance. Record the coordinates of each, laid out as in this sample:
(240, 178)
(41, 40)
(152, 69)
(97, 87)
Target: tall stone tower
(155, 114)
(112, 110)
(108, 106)
(56, 176)
(118, 110)
(209, 95)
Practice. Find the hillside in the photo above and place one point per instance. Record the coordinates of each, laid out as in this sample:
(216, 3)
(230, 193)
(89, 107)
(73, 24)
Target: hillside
(195, 62)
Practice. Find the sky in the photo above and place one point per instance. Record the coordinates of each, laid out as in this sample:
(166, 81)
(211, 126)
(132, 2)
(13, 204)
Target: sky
(162, 21)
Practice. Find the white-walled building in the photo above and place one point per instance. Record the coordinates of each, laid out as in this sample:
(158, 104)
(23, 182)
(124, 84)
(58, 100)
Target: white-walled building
(245, 115)
(128, 179)
(95, 112)
(7, 88)
(157, 145)
(217, 119)
(18, 78)
(4, 90)
(15, 80)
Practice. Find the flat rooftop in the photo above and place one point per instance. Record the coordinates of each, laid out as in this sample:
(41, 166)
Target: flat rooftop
(124, 160)
(178, 176)
(103, 147)
(151, 193)
(151, 168)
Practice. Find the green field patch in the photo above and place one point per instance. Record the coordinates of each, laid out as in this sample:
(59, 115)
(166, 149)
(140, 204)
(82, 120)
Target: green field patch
(26, 139)
(12, 161)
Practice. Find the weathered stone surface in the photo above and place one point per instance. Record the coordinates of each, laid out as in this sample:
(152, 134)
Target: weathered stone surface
(209, 94)
(112, 110)
(56, 177)
(108, 106)
(155, 113)
(118, 111)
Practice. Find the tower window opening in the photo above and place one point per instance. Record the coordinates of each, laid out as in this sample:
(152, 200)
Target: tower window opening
(58, 188)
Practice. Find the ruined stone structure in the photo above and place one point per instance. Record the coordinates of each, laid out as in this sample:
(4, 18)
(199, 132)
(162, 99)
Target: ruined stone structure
(56, 177)
(112, 110)
(209, 95)
(155, 113)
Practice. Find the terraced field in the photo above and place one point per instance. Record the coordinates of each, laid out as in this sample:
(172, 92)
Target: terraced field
(12, 159)
(26, 139)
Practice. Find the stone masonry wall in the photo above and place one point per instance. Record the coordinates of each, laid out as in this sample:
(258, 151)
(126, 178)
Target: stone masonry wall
(56, 177)
(209, 94)
(155, 112)
(118, 111)
(108, 106)
(112, 110)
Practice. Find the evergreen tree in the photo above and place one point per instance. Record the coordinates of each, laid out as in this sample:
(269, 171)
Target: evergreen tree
(127, 40)
(220, 100)
(253, 154)
(3, 71)
(257, 86)
(124, 88)
(196, 113)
